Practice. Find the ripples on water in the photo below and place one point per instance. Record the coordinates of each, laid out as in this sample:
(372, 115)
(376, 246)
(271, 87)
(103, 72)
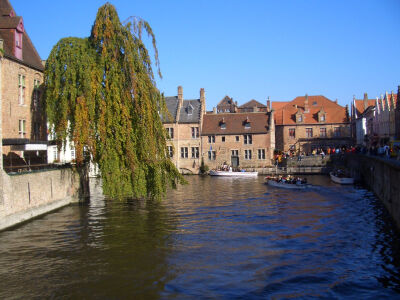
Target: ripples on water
(214, 238)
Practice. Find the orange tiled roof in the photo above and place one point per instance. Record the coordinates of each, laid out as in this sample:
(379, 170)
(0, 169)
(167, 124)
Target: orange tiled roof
(359, 103)
(285, 114)
(235, 123)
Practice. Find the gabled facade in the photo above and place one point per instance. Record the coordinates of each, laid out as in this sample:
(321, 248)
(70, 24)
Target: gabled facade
(183, 126)
(244, 140)
(226, 105)
(252, 106)
(311, 122)
(24, 131)
(359, 116)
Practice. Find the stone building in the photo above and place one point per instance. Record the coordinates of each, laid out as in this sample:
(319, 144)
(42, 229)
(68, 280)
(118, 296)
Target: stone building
(24, 131)
(397, 115)
(226, 105)
(360, 110)
(183, 126)
(244, 140)
(311, 122)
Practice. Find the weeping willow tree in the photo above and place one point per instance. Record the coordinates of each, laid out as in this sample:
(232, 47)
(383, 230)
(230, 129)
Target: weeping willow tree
(101, 94)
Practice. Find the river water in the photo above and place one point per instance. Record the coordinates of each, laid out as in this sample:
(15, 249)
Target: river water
(215, 238)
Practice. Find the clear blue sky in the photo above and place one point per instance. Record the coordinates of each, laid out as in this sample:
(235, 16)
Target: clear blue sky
(249, 49)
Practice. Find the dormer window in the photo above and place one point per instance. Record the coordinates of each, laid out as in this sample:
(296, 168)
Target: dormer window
(222, 124)
(321, 115)
(299, 118)
(322, 118)
(314, 103)
(189, 109)
(247, 125)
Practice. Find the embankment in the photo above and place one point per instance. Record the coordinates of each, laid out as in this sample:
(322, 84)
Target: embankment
(25, 196)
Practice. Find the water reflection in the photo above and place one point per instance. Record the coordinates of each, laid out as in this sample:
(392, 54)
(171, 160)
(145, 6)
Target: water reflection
(214, 238)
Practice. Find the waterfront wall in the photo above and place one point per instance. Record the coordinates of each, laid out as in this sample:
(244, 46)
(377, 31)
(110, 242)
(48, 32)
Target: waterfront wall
(382, 176)
(29, 195)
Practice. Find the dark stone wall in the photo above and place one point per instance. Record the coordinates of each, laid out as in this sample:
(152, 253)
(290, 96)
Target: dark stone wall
(382, 176)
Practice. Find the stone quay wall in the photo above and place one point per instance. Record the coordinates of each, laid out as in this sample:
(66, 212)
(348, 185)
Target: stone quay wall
(382, 176)
(25, 196)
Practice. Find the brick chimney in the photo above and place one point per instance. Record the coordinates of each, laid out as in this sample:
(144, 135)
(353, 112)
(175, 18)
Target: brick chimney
(180, 94)
(365, 101)
(306, 107)
(203, 100)
(214, 110)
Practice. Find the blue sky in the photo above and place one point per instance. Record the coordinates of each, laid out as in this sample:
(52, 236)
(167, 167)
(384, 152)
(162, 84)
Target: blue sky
(249, 49)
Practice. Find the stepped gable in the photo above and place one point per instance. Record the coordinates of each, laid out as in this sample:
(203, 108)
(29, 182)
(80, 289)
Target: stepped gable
(285, 115)
(235, 123)
(9, 23)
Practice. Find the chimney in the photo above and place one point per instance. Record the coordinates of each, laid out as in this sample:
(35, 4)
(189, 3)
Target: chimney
(295, 106)
(365, 101)
(306, 108)
(214, 110)
(203, 100)
(180, 94)
(268, 105)
(336, 100)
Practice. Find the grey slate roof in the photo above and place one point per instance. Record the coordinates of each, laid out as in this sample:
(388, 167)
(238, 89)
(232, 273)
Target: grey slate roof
(172, 106)
(195, 107)
(184, 115)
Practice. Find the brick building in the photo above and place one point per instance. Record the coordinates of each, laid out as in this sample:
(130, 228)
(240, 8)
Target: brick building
(226, 105)
(252, 106)
(239, 139)
(184, 129)
(23, 120)
(310, 122)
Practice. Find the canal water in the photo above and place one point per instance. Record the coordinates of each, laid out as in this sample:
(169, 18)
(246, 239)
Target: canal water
(215, 238)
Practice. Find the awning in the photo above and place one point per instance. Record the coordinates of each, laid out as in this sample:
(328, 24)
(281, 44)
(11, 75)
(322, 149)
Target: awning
(25, 145)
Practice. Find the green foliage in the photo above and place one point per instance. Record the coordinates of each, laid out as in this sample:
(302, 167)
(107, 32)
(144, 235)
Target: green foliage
(203, 167)
(100, 92)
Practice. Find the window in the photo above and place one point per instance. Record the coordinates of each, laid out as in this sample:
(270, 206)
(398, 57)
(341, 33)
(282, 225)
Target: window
(170, 133)
(211, 155)
(322, 132)
(189, 110)
(72, 153)
(211, 139)
(195, 152)
(308, 132)
(22, 128)
(21, 89)
(223, 139)
(195, 132)
(336, 131)
(314, 103)
(235, 152)
(247, 154)
(299, 118)
(261, 153)
(36, 93)
(248, 140)
(292, 132)
(237, 138)
(55, 154)
(184, 152)
(223, 126)
(322, 118)
(170, 151)
(247, 125)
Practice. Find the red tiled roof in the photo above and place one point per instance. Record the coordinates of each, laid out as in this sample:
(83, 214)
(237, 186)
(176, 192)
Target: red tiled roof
(252, 103)
(30, 57)
(278, 105)
(360, 105)
(235, 123)
(285, 115)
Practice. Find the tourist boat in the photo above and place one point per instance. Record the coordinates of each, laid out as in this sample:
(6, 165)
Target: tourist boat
(286, 185)
(233, 174)
(341, 178)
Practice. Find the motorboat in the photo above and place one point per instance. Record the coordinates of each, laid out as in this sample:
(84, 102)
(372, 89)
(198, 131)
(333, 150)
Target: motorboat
(232, 173)
(341, 178)
(286, 184)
